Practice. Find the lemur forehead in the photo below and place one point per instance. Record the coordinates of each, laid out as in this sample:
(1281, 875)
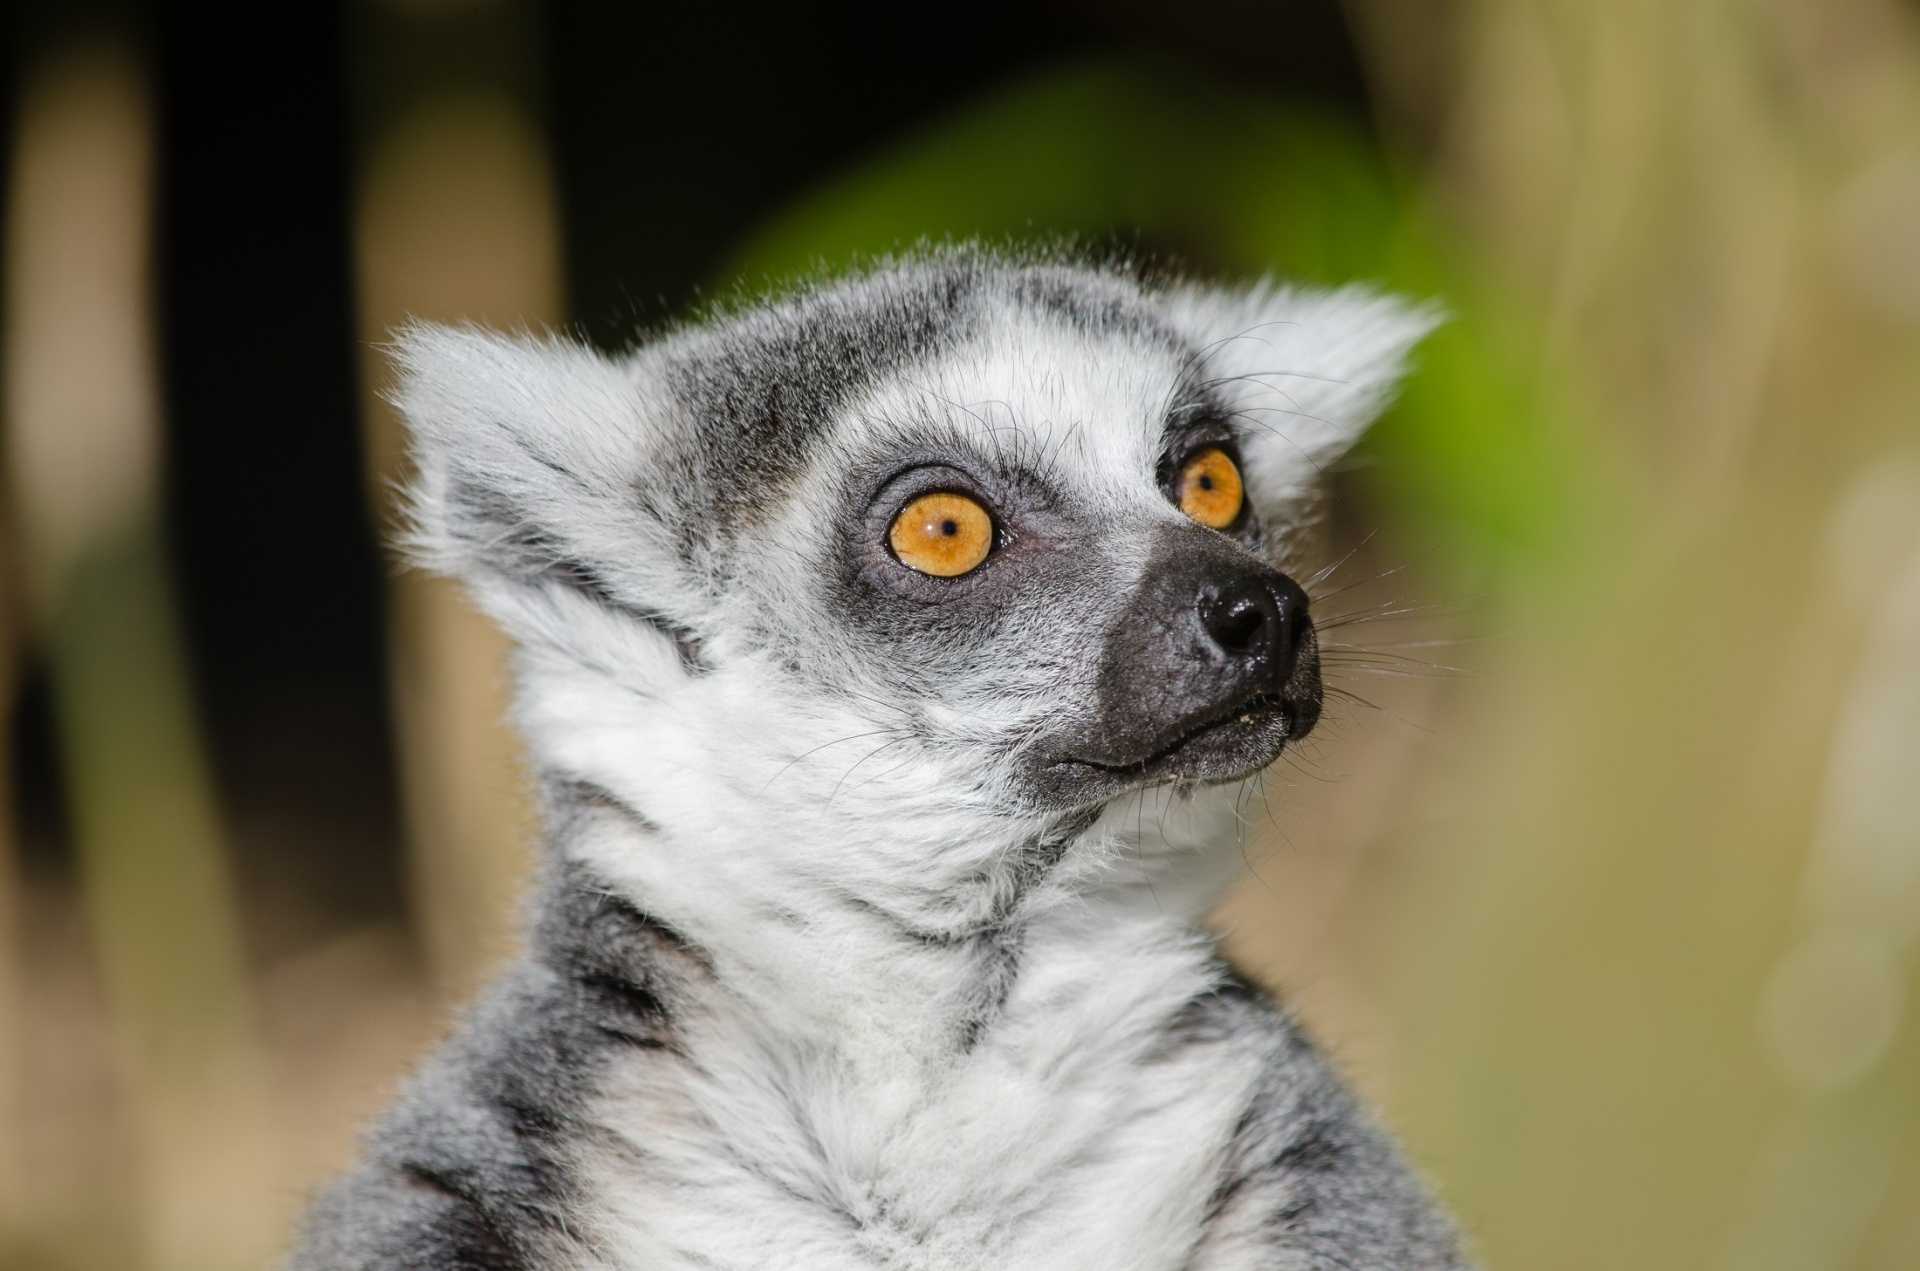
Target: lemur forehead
(1030, 398)
(763, 389)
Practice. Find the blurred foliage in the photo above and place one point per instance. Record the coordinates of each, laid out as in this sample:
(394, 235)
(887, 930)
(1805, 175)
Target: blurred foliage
(161, 906)
(1113, 150)
(81, 440)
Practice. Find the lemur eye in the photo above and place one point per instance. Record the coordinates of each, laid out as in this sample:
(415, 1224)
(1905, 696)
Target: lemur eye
(942, 534)
(1209, 489)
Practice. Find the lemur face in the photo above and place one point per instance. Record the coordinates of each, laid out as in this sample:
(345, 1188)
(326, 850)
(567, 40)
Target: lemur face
(1057, 514)
(1028, 519)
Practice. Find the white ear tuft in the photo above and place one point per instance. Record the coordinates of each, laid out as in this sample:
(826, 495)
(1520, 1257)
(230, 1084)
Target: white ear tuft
(1305, 370)
(533, 459)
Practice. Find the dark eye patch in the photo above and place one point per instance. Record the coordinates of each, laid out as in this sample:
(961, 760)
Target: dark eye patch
(929, 629)
(1198, 422)
(764, 388)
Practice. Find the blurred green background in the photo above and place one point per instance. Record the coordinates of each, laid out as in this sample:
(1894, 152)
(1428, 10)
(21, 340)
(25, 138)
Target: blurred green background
(1603, 878)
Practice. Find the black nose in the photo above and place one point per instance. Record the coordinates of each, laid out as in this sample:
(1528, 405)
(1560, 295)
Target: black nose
(1257, 618)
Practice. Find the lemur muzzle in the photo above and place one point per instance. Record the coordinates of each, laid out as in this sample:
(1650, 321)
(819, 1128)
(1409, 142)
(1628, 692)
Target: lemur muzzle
(1210, 667)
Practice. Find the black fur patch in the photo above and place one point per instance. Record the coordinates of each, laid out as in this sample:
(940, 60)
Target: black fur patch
(998, 954)
(526, 551)
(1216, 1015)
(1307, 1172)
(470, 1168)
(564, 800)
(763, 387)
(1097, 310)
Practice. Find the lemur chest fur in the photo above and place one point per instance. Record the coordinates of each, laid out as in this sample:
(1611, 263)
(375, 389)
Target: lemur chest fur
(1076, 1128)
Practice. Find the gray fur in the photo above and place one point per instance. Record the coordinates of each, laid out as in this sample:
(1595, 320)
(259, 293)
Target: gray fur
(867, 932)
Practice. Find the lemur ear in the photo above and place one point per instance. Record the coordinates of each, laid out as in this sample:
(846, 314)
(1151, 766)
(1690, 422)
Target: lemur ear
(1305, 370)
(535, 465)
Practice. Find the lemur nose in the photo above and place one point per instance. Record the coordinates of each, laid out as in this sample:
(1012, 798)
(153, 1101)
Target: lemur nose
(1256, 619)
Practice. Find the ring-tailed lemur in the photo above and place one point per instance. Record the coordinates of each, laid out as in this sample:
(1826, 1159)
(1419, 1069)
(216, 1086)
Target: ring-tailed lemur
(890, 657)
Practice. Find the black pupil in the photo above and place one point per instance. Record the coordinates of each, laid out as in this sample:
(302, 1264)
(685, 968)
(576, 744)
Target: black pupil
(949, 527)
(1206, 481)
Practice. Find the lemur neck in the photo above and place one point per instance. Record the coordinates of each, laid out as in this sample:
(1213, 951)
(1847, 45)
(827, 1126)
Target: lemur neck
(829, 893)
(870, 962)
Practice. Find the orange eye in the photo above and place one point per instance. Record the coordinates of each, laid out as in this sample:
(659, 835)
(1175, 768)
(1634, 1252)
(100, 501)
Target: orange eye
(942, 534)
(1210, 491)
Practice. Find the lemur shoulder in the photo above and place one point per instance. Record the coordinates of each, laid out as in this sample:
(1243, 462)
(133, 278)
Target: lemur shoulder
(890, 657)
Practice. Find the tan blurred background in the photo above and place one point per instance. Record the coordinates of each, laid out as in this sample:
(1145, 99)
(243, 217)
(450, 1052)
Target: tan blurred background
(1603, 877)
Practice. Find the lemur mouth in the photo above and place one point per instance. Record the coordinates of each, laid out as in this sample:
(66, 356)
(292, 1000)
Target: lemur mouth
(1229, 746)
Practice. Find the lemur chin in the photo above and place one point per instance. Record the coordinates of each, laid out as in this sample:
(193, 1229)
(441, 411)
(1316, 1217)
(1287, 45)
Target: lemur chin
(890, 657)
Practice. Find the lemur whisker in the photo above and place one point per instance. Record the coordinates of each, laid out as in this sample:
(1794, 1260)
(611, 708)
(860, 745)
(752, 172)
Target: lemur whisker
(1318, 467)
(1440, 642)
(837, 786)
(1354, 697)
(1384, 613)
(1384, 660)
(1266, 802)
(1327, 571)
(1139, 849)
(1260, 378)
(1384, 574)
(881, 775)
(806, 754)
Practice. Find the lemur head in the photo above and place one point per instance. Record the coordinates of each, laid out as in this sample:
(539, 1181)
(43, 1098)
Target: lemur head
(1021, 525)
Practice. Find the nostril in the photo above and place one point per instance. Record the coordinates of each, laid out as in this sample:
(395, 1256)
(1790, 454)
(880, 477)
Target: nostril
(1246, 620)
(1241, 629)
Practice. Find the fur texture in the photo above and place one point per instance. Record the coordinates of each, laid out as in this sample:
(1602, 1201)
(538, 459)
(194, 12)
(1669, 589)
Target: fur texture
(868, 930)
